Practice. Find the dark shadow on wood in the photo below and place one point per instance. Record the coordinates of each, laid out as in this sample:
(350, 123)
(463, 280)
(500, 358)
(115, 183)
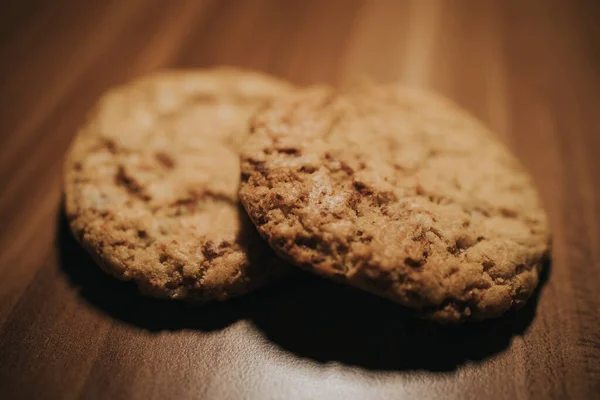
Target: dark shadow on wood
(326, 322)
(307, 316)
(121, 300)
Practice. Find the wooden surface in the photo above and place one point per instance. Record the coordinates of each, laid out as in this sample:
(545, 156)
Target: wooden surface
(529, 69)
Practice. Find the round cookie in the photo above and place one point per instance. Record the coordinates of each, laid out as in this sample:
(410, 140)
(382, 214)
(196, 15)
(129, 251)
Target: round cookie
(400, 193)
(151, 184)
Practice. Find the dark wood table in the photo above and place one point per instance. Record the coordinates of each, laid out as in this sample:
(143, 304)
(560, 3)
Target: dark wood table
(529, 69)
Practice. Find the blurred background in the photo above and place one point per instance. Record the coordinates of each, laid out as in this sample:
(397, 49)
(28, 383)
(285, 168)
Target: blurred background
(515, 64)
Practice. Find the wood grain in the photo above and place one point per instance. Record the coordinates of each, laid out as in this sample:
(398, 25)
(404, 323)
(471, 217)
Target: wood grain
(529, 69)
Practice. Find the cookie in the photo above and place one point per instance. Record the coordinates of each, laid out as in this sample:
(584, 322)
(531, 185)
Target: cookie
(398, 192)
(151, 184)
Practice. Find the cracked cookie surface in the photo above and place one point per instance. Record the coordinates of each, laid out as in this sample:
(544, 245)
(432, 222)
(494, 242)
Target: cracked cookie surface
(398, 192)
(151, 184)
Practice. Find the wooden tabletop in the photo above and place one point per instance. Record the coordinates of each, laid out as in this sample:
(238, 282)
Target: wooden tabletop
(529, 69)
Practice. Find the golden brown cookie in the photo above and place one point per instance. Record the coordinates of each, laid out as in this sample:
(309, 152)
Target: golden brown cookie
(151, 184)
(400, 193)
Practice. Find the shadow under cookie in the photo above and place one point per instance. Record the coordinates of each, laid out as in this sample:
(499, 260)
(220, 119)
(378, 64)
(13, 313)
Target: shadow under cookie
(328, 322)
(122, 300)
(308, 317)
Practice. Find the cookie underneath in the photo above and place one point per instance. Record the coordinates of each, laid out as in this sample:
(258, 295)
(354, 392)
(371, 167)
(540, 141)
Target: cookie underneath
(151, 184)
(397, 192)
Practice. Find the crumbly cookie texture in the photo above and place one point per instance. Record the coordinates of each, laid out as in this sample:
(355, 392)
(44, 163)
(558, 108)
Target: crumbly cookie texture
(151, 184)
(398, 192)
